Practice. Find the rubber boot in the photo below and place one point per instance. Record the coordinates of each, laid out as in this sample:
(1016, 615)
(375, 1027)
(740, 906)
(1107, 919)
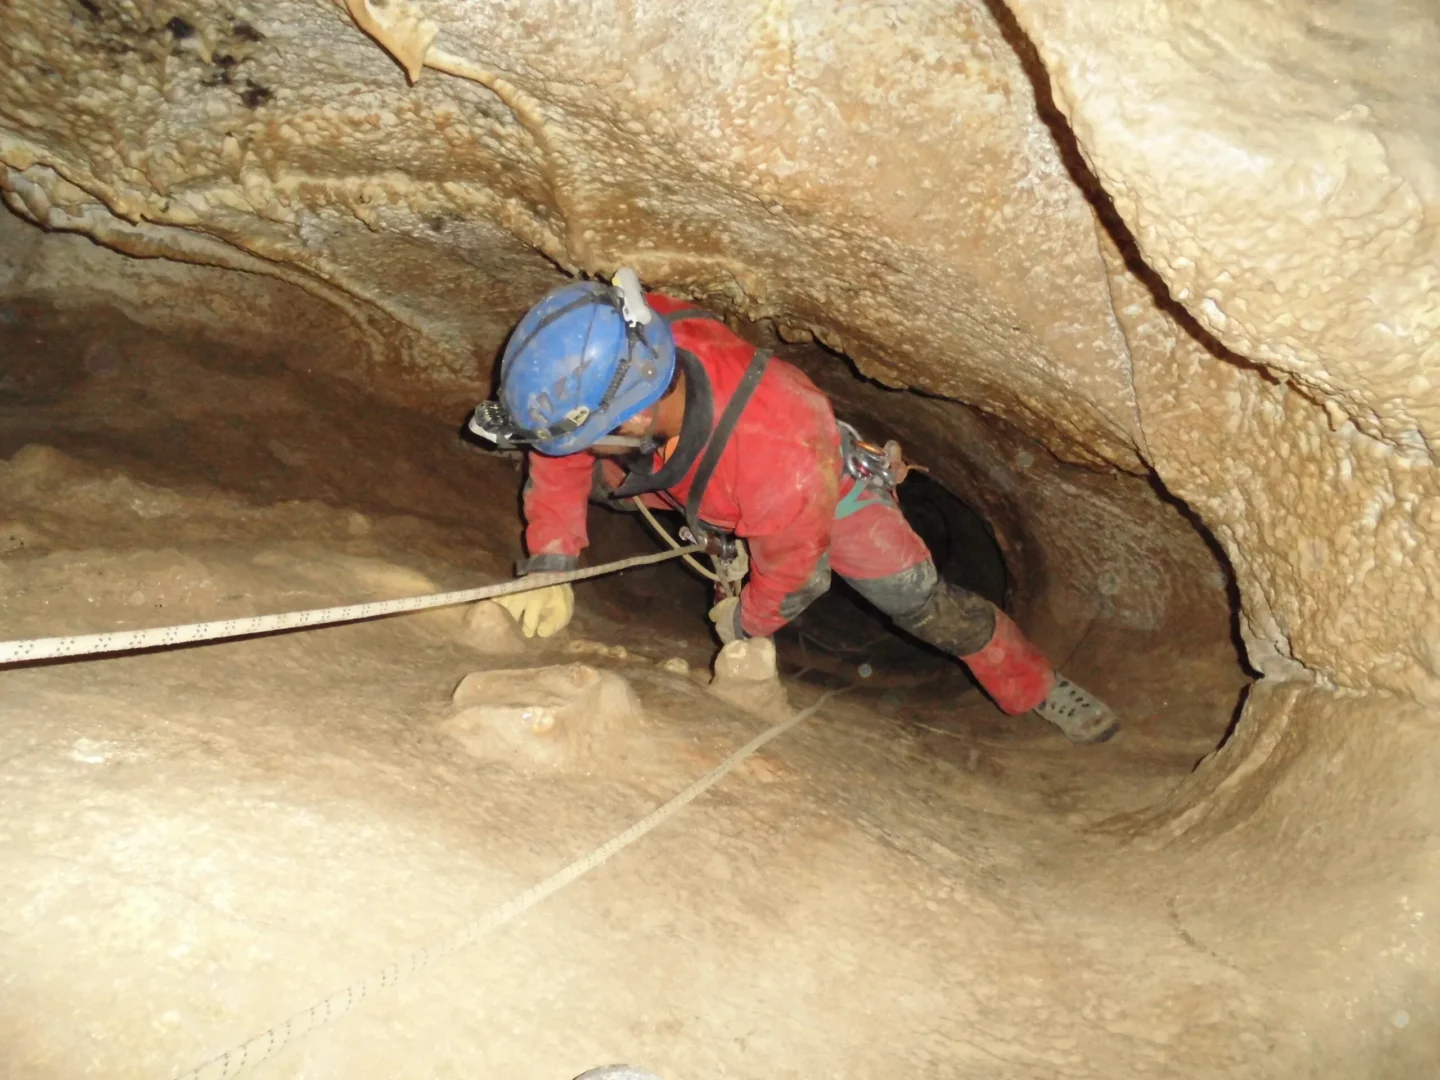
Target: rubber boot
(1007, 664)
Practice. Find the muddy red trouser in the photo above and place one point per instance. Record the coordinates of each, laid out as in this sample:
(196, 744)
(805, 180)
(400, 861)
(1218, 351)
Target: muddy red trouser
(874, 548)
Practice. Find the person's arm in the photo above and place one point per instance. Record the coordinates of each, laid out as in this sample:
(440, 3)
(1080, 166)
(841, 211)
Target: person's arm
(788, 572)
(557, 494)
(788, 509)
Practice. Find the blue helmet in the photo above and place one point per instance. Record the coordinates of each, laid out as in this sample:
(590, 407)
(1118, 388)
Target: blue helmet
(583, 360)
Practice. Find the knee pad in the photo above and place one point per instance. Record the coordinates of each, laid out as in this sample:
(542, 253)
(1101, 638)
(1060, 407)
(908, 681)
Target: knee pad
(954, 620)
(902, 593)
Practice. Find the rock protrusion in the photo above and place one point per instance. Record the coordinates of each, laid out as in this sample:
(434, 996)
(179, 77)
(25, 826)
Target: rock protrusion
(552, 718)
(488, 628)
(746, 677)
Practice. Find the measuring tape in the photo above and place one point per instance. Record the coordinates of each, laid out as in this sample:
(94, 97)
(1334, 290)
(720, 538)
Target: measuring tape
(19, 652)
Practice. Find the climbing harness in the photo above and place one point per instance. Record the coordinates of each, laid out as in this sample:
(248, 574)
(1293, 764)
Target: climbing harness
(876, 470)
(883, 466)
(664, 534)
(13, 652)
(700, 440)
(266, 1044)
(724, 428)
(726, 552)
(732, 563)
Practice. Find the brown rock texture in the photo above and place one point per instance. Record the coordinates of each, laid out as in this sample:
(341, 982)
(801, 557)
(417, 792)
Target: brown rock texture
(746, 677)
(1277, 170)
(551, 718)
(488, 628)
(1164, 279)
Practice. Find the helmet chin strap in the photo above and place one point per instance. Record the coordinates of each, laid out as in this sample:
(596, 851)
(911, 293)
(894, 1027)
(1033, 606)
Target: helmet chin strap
(625, 442)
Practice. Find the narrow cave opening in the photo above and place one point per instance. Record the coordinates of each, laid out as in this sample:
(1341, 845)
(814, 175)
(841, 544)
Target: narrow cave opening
(188, 413)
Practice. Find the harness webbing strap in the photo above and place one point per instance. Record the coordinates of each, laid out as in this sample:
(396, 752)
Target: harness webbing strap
(721, 436)
(862, 494)
(692, 313)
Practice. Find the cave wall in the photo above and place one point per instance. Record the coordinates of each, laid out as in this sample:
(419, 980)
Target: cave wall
(72, 273)
(880, 178)
(881, 182)
(1276, 169)
(1188, 244)
(1253, 321)
(1087, 550)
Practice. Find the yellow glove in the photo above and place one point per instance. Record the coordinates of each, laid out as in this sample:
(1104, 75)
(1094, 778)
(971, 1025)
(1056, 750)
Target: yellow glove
(541, 612)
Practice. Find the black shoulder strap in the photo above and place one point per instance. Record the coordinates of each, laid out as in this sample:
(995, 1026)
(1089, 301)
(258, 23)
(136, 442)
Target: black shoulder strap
(692, 313)
(728, 419)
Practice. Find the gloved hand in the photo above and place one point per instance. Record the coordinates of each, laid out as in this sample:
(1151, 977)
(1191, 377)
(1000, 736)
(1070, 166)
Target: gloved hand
(541, 612)
(726, 617)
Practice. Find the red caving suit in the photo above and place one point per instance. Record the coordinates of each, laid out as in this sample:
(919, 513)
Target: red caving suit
(777, 485)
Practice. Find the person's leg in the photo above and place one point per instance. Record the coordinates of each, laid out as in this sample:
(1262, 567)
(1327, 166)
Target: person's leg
(876, 551)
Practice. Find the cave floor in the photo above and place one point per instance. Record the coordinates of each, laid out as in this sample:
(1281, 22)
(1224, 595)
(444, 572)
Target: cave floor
(200, 843)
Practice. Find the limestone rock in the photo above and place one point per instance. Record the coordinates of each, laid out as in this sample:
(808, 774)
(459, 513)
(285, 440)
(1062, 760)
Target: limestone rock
(488, 628)
(586, 647)
(551, 718)
(746, 677)
(17, 537)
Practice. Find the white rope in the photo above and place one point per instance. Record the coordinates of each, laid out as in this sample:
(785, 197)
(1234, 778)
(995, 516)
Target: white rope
(12, 652)
(268, 1043)
(664, 535)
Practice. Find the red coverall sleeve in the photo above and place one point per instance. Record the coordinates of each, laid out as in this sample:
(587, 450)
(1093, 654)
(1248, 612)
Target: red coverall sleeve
(557, 498)
(786, 553)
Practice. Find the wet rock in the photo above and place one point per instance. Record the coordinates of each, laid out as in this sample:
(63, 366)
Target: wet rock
(550, 718)
(488, 628)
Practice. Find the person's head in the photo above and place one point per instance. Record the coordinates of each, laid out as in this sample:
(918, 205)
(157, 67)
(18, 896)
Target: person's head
(586, 363)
